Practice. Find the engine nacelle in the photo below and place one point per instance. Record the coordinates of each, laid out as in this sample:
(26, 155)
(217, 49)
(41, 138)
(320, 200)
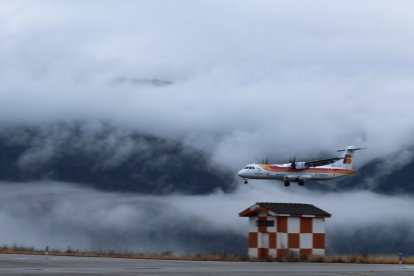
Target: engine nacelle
(299, 165)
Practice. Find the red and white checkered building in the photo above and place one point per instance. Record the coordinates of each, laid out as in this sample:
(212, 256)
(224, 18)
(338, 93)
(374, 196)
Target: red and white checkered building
(277, 228)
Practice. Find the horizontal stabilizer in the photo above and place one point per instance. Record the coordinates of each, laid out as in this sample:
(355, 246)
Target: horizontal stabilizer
(353, 149)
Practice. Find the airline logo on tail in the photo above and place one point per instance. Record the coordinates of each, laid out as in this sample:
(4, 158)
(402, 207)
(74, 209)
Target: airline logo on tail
(348, 159)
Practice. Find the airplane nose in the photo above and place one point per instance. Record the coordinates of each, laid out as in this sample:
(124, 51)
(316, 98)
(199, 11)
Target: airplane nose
(241, 173)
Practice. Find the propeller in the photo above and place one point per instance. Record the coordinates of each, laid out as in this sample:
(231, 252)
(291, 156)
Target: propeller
(293, 162)
(265, 161)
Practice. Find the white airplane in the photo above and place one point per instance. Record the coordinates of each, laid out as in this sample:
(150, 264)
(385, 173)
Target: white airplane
(300, 171)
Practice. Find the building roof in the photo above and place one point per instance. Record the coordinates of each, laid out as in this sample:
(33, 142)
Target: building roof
(284, 209)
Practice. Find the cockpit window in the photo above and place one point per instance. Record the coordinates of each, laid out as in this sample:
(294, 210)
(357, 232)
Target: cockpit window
(249, 168)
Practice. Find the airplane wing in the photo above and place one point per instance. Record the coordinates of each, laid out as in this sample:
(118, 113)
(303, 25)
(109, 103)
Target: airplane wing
(322, 162)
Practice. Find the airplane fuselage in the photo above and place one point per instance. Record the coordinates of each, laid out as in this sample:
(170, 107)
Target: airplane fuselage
(287, 173)
(324, 169)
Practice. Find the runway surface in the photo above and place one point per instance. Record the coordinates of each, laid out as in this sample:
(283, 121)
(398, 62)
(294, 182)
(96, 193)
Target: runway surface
(11, 264)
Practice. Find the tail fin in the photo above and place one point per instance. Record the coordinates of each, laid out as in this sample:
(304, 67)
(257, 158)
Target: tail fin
(346, 161)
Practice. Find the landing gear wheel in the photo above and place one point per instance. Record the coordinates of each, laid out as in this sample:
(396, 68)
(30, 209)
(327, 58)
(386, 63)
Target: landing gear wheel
(245, 181)
(301, 182)
(287, 183)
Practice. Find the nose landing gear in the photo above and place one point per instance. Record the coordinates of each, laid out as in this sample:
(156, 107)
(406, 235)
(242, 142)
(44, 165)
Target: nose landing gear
(245, 181)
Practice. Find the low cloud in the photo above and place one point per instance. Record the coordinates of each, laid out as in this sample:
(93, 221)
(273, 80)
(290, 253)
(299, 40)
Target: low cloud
(242, 81)
(65, 215)
(61, 216)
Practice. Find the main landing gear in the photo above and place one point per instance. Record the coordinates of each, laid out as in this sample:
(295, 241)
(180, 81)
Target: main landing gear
(301, 182)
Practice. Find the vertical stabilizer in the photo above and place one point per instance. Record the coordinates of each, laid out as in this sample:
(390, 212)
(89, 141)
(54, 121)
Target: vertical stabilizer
(346, 161)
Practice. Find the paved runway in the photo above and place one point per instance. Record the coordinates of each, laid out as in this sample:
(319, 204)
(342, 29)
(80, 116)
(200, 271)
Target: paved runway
(11, 264)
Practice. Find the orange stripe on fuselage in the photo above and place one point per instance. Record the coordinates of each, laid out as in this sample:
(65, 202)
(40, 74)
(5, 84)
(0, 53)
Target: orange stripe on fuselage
(275, 168)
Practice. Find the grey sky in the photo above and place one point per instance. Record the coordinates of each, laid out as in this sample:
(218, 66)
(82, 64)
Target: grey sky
(251, 78)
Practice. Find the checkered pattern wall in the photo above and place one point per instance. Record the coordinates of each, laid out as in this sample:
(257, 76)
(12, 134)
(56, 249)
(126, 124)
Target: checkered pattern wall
(273, 235)
(303, 235)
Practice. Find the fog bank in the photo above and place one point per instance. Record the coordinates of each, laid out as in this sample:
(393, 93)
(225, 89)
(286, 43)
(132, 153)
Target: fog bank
(65, 215)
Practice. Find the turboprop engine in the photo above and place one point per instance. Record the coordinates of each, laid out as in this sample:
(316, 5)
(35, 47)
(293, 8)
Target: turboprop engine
(299, 165)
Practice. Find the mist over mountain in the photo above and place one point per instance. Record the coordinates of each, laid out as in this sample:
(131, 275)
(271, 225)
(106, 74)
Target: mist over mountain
(62, 215)
(101, 156)
(381, 237)
(164, 179)
(391, 175)
(105, 157)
